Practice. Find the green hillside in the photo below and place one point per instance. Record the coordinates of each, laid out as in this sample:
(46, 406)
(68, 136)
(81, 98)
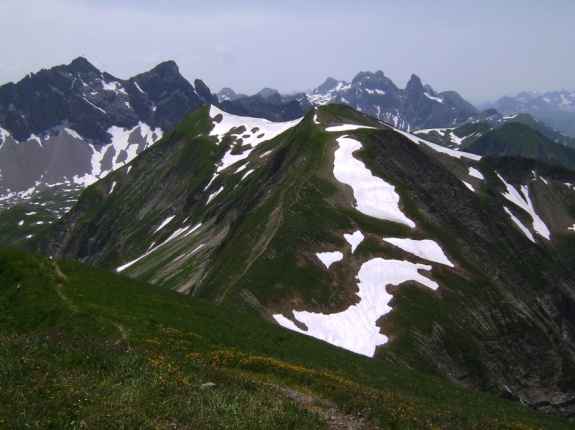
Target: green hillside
(248, 235)
(520, 140)
(85, 348)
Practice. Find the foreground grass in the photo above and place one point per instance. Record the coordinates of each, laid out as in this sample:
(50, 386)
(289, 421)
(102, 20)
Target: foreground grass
(85, 348)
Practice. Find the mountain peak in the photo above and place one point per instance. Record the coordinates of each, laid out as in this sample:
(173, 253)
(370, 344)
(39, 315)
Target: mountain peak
(414, 84)
(329, 84)
(267, 92)
(81, 64)
(167, 68)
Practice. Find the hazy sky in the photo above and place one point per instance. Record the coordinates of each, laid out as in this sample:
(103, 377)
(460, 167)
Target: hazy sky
(481, 48)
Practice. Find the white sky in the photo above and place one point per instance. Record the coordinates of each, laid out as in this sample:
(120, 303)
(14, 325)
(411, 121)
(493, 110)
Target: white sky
(481, 48)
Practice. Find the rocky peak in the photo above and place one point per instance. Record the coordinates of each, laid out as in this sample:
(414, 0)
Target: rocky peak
(266, 93)
(166, 69)
(227, 94)
(204, 92)
(81, 65)
(328, 85)
(414, 86)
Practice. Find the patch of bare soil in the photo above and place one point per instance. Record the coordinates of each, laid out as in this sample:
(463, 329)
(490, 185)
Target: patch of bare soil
(336, 419)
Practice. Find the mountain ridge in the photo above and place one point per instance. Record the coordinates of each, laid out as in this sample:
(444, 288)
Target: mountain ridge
(556, 108)
(251, 232)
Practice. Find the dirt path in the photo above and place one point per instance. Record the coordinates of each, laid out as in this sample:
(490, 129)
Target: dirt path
(59, 271)
(123, 335)
(336, 419)
(59, 288)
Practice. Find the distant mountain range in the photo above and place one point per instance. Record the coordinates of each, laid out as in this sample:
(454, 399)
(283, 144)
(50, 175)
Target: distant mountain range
(556, 108)
(64, 128)
(522, 135)
(375, 94)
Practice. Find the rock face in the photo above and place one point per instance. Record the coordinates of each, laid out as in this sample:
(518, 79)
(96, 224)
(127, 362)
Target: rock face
(244, 213)
(412, 108)
(72, 124)
(88, 101)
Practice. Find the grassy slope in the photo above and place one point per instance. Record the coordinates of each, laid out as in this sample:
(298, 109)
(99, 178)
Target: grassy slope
(516, 139)
(84, 347)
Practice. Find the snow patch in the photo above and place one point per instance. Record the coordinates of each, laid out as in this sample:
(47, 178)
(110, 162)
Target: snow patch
(112, 187)
(328, 258)
(373, 195)
(519, 224)
(265, 154)
(524, 202)
(475, 173)
(355, 328)
(266, 130)
(164, 223)
(438, 148)
(213, 195)
(138, 87)
(346, 127)
(120, 145)
(468, 185)
(249, 172)
(354, 239)
(437, 99)
(426, 249)
(193, 229)
(93, 105)
(376, 91)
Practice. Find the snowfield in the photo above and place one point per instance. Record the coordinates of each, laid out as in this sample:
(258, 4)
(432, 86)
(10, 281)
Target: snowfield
(328, 258)
(373, 195)
(426, 249)
(524, 202)
(124, 147)
(354, 239)
(475, 173)
(347, 127)
(355, 328)
(451, 152)
(257, 130)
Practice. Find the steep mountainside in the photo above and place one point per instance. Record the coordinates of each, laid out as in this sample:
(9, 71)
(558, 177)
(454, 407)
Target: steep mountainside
(501, 135)
(520, 140)
(412, 108)
(63, 128)
(556, 108)
(356, 233)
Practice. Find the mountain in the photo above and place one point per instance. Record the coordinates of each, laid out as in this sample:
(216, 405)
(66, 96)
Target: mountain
(412, 108)
(351, 231)
(268, 104)
(90, 102)
(556, 108)
(522, 135)
(520, 140)
(63, 128)
(85, 345)
(228, 94)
